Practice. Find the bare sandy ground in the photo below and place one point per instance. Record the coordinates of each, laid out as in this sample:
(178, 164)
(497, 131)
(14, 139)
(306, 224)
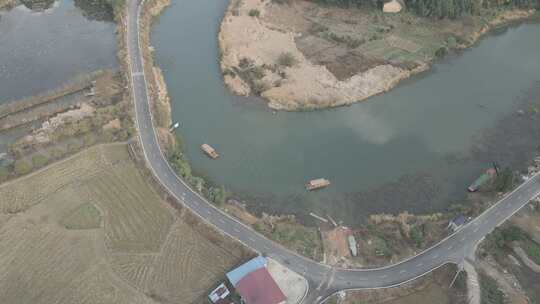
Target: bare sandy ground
(341, 56)
(306, 85)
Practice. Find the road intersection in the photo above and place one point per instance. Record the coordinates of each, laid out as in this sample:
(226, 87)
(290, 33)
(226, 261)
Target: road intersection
(323, 279)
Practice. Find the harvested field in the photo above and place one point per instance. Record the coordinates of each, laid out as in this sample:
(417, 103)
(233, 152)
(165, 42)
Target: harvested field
(86, 216)
(90, 230)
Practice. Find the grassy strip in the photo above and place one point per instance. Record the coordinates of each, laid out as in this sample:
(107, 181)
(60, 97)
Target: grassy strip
(180, 163)
(302, 239)
(532, 249)
(489, 291)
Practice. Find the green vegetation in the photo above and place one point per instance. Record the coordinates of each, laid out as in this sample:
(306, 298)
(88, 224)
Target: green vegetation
(86, 216)
(252, 74)
(286, 59)
(490, 292)
(347, 40)
(440, 8)
(22, 167)
(39, 160)
(504, 181)
(4, 173)
(254, 13)
(532, 249)
(180, 164)
(417, 235)
(302, 239)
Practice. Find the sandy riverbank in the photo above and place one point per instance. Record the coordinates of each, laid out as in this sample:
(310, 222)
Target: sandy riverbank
(335, 56)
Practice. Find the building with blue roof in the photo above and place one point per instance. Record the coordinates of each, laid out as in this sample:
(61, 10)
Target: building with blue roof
(235, 275)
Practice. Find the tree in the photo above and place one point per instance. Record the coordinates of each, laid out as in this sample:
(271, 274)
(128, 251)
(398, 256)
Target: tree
(22, 167)
(286, 59)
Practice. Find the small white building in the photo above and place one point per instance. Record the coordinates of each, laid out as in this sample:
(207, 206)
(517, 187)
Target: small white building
(393, 6)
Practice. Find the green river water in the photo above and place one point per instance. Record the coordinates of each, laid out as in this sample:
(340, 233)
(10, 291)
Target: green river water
(415, 148)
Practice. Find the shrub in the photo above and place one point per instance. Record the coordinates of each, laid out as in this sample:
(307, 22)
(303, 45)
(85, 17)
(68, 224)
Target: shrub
(4, 173)
(286, 59)
(39, 160)
(489, 290)
(22, 167)
(533, 250)
(441, 52)
(417, 236)
(254, 13)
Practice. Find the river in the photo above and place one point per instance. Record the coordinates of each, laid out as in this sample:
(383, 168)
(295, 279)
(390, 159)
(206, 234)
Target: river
(409, 149)
(40, 51)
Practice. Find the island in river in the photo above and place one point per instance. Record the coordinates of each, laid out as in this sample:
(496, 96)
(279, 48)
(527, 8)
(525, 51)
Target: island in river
(302, 55)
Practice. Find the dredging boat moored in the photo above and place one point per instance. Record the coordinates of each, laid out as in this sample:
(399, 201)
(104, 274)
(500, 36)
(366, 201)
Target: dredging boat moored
(208, 150)
(317, 184)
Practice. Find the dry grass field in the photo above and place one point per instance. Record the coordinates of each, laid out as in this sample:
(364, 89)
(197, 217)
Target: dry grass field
(90, 229)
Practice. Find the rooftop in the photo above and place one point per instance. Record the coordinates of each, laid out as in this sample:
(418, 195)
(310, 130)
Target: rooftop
(258, 287)
(243, 270)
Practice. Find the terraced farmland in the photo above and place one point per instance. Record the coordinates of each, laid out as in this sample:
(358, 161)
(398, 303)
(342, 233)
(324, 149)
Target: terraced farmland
(91, 230)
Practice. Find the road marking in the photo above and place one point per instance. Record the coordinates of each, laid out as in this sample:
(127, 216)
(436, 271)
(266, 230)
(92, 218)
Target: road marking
(450, 247)
(252, 239)
(208, 211)
(403, 271)
(475, 230)
(136, 74)
(383, 276)
(222, 221)
(419, 264)
(435, 256)
(462, 239)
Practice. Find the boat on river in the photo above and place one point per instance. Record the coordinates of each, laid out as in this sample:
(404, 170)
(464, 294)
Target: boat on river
(208, 150)
(317, 184)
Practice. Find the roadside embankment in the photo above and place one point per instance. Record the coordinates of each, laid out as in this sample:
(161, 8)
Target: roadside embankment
(8, 4)
(431, 288)
(301, 55)
(157, 88)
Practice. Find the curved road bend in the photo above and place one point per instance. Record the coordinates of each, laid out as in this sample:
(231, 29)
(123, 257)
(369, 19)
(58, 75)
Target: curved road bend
(323, 280)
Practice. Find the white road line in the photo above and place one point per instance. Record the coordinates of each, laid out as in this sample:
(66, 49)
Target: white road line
(419, 264)
(435, 256)
(475, 230)
(383, 276)
(403, 271)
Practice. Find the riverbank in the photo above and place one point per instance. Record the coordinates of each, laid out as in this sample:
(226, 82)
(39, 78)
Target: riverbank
(157, 87)
(303, 55)
(7, 4)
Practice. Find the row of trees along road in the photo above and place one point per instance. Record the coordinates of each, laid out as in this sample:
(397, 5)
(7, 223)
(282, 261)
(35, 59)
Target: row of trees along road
(440, 8)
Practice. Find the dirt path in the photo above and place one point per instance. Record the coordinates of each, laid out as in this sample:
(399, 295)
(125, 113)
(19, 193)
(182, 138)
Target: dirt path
(473, 287)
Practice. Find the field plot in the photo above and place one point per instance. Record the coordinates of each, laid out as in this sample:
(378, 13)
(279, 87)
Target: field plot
(91, 230)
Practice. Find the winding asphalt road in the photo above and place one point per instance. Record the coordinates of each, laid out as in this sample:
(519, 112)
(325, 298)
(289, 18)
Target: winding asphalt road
(323, 280)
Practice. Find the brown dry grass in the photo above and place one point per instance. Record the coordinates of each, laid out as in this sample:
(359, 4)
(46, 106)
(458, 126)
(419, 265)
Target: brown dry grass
(142, 252)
